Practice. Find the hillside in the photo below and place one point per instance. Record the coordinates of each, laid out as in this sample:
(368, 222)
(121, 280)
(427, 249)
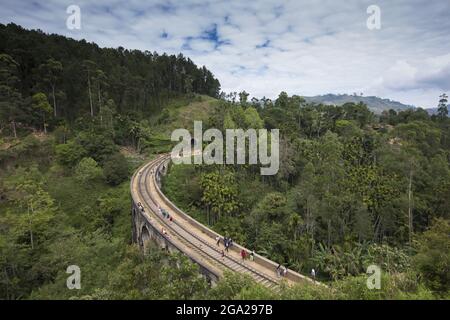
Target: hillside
(375, 104)
(81, 79)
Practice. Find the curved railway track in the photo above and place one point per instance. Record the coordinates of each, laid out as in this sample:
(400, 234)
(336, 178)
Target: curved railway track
(189, 239)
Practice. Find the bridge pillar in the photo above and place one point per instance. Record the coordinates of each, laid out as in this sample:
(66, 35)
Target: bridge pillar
(134, 233)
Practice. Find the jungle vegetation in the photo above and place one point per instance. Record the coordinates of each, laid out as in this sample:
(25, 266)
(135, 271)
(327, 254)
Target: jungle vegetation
(354, 188)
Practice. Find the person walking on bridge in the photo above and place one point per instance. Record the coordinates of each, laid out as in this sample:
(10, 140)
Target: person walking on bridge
(218, 241)
(243, 254)
(252, 256)
(313, 275)
(278, 270)
(230, 243)
(284, 271)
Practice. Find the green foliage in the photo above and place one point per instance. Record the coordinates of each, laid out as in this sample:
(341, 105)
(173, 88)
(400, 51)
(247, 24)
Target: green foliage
(433, 257)
(183, 177)
(306, 291)
(42, 107)
(27, 227)
(96, 254)
(69, 154)
(26, 151)
(270, 208)
(12, 107)
(87, 171)
(393, 287)
(231, 287)
(51, 71)
(62, 133)
(99, 146)
(35, 207)
(347, 128)
(115, 273)
(116, 169)
(228, 122)
(342, 261)
(219, 193)
(426, 136)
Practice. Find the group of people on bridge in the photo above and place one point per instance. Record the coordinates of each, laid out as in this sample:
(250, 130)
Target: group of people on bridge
(165, 214)
(281, 270)
(228, 243)
(157, 173)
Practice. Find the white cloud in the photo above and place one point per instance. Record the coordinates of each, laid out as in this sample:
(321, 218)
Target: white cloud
(299, 46)
(419, 82)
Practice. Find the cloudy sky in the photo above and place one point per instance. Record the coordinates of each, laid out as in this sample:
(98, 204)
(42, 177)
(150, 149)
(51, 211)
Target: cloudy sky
(303, 47)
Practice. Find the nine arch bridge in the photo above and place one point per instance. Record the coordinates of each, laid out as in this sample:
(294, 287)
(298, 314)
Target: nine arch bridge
(184, 234)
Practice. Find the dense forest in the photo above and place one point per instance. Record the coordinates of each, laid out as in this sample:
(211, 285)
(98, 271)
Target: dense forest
(79, 78)
(353, 189)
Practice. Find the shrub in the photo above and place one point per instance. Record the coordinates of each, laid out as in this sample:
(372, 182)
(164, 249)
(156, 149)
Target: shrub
(115, 169)
(88, 170)
(69, 154)
(433, 257)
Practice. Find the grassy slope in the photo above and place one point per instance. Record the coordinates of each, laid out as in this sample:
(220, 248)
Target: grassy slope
(179, 113)
(183, 113)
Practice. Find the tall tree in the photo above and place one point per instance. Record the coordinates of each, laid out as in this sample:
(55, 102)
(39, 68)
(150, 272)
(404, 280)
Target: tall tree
(100, 79)
(51, 72)
(442, 107)
(41, 105)
(243, 98)
(11, 102)
(90, 67)
(219, 193)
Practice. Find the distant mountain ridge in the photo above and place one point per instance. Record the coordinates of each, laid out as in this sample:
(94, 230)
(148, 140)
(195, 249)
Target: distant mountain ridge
(375, 104)
(434, 111)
